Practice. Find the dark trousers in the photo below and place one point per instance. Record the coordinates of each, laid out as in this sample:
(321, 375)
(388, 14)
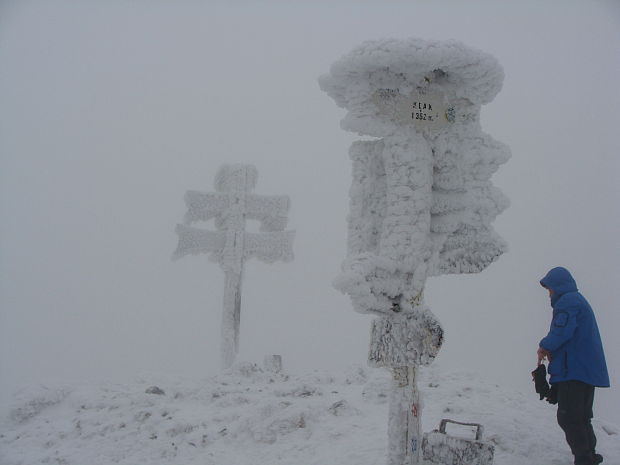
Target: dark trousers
(575, 401)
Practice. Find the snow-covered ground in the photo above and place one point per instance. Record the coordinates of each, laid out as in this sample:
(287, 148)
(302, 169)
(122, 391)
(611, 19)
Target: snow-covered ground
(250, 416)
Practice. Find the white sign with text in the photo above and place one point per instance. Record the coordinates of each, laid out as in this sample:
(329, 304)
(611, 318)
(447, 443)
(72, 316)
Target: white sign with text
(423, 110)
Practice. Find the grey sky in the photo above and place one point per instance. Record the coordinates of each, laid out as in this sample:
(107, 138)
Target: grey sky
(110, 111)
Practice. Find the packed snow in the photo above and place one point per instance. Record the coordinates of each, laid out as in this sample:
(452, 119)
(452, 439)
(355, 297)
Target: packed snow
(250, 415)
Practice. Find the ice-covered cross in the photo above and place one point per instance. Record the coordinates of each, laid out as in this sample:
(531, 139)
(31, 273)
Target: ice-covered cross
(231, 245)
(421, 201)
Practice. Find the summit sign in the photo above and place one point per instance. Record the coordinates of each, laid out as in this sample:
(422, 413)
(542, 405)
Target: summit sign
(417, 109)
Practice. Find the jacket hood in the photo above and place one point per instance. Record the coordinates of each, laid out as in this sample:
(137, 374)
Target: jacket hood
(560, 281)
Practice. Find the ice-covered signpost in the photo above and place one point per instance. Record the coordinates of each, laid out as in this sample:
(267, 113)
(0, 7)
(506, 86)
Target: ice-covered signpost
(231, 245)
(421, 200)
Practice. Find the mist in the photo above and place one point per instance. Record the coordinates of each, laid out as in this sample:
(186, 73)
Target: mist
(112, 110)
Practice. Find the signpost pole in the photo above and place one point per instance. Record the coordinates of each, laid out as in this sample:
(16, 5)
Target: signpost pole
(404, 432)
(421, 200)
(231, 318)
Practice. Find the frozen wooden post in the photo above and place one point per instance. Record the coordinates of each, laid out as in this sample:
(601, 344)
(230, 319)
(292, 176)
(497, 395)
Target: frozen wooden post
(421, 200)
(231, 245)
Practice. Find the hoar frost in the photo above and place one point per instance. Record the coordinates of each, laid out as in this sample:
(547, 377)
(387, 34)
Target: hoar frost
(421, 199)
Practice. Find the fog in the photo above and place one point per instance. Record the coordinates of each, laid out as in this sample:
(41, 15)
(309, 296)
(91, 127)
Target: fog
(110, 111)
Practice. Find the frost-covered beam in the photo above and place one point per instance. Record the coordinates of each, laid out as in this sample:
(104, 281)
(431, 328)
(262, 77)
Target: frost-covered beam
(270, 210)
(197, 241)
(269, 247)
(202, 206)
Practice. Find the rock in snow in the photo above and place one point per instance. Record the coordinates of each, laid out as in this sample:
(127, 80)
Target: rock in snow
(251, 416)
(155, 390)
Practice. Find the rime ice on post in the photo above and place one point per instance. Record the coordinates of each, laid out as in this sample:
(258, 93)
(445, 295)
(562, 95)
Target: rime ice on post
(421, 202)
(231, 245)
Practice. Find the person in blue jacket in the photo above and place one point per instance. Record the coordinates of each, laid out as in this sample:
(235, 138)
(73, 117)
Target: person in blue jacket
(577, 365)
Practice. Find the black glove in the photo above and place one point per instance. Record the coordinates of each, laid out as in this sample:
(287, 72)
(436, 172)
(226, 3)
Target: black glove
(539, 376)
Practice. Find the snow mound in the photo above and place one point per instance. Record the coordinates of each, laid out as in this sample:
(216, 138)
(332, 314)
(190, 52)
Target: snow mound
(249, 416)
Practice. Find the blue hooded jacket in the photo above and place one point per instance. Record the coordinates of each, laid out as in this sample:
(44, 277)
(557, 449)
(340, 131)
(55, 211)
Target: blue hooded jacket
(573, 339)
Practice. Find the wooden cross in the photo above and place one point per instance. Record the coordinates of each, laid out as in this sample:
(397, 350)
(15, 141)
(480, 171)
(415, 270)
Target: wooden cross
(231, 245)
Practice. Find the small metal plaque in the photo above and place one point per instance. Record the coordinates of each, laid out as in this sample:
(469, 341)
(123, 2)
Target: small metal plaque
(405, 340)
(422, 110)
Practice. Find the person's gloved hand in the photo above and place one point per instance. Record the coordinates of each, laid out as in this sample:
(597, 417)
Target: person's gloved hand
(539, 376)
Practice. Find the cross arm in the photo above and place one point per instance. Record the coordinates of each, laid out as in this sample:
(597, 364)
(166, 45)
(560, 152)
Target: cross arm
(195, 241)
(270, 210)
(202, 206)
(269, 246)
